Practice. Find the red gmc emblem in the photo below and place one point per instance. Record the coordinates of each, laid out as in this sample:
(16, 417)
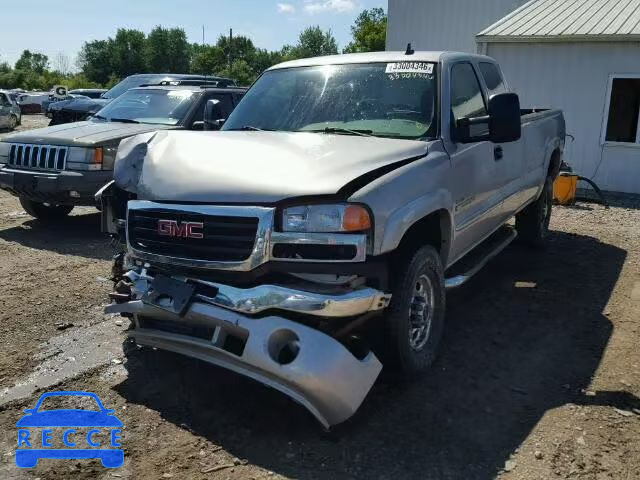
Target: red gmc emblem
(171, 228)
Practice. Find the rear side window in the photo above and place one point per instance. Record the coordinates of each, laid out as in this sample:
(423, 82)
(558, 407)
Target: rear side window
(492, 78)
(466, 95)
(225, 100)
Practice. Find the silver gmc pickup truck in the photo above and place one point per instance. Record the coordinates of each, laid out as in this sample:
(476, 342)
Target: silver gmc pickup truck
(342, 198)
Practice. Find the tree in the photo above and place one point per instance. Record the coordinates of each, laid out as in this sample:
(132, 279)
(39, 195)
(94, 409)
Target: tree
(95, 60)
(167, 50)
(264, 59)
(369, 32)
(313, 42)
(62, 63)
(32, 62)
(128, 52)
(240, 71)
(239, 48)
(207, 59)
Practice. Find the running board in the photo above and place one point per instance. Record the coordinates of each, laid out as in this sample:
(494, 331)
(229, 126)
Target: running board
(474, 261)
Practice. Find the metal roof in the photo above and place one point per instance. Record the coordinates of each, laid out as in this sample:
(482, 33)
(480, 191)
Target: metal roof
(568, 20)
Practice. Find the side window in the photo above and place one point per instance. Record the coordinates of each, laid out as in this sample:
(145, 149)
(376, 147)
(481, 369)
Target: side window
(225, 99)
(492, 78)
(4, 101)
(466, 94)
(623, 124)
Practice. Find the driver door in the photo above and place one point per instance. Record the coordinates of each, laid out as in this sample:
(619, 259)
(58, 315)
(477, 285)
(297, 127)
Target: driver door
(475, 183)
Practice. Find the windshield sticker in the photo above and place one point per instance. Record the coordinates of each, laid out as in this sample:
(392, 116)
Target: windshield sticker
(410, 67)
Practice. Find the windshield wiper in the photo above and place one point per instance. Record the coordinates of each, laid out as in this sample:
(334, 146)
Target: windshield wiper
(100, 117)
(346, 131)
(123, 120)
(246, 128)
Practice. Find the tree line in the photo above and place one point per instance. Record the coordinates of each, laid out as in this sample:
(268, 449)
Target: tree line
(103, 63)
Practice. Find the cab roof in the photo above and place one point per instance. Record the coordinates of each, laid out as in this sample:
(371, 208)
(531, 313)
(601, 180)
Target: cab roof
(380, 57)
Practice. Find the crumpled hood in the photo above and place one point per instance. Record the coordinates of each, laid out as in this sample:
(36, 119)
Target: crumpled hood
(80, 105)
(83, 133)
(248, 167)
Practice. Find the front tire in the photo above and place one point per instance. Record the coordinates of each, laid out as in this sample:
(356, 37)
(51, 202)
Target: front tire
(532, 223)
(415, 320)
(13, 122)
(45, 211)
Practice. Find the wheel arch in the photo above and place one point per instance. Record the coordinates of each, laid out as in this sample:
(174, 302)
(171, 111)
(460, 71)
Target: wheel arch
(415, 225)
(555, 161)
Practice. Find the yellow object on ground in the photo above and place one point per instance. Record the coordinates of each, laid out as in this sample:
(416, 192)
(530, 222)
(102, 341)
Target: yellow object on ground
(564, 189)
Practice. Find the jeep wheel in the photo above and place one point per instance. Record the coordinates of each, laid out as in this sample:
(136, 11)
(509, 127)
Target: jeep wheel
(45, 211)
(415, 320)
(532, 223)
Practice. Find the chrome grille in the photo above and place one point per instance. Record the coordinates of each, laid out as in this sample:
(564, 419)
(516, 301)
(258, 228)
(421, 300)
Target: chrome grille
(224, 238)
(234, 238)
(38, 157)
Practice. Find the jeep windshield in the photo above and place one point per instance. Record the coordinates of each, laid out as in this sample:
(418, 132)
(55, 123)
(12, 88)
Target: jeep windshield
(396, 100)
(157, 106)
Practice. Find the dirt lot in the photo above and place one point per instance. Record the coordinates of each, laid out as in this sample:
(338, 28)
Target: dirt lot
(539, 376)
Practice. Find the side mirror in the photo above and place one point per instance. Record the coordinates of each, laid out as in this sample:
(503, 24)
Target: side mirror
(502, 125)
(504, 118)
(213, 115)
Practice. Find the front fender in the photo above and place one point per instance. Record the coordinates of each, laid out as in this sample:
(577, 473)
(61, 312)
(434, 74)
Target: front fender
(403, 218)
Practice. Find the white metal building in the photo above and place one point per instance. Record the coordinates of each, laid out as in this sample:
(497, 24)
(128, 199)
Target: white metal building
(579, 55)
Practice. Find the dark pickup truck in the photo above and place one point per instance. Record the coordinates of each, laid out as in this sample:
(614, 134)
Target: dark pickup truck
(56, 168)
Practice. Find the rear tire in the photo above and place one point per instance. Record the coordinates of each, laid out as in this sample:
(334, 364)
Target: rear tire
(532, 223)
(45, 211)
(415, 320)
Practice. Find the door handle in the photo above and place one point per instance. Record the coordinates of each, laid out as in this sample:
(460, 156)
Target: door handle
(497, 153)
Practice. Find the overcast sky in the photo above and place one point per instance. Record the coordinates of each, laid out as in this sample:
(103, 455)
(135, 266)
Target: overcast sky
(51, 27)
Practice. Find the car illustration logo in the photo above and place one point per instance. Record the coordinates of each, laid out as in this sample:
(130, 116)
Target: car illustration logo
(173, 228)
(84, 433)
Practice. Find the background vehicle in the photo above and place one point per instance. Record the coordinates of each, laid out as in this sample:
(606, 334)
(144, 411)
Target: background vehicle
(31, 102)
(10, 114)
(77, 110)
(343, 193)
(55, 168)
(89, 92)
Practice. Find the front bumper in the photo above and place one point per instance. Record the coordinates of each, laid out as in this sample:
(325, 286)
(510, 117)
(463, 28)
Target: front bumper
(55, 187)
(274, 297)
(309, 366)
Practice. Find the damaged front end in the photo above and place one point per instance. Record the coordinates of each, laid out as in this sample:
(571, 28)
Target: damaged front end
(199, 280)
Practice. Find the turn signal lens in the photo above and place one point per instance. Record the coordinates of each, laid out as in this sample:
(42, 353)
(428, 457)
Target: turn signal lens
(98, 156)
(355, 219)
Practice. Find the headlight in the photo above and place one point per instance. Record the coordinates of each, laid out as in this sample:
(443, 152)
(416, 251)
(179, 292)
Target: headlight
(5, 148)
(109, 157)
(326, 218)
(81, 158)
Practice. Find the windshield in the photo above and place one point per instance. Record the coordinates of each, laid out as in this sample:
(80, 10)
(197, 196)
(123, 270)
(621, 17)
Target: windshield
(382, 99)
(165, 107)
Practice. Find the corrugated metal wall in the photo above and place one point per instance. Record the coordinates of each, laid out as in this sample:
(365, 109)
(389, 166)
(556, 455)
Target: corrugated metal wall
(443, 24)
(574, 77)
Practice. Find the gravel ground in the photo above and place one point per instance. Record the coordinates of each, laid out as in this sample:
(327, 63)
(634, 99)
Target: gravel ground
(29, 122)
(539, 376)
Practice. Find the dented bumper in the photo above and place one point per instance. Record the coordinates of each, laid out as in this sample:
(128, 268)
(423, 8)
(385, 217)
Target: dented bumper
(309, 366)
